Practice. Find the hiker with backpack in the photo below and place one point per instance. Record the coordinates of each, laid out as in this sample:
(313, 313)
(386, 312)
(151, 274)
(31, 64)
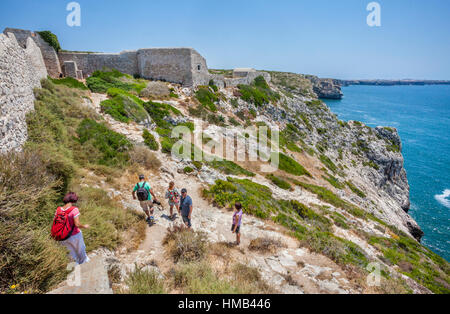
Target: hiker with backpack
(237, 221)
(144, 194)
(174, 199)
(186, 208)
(66, 229)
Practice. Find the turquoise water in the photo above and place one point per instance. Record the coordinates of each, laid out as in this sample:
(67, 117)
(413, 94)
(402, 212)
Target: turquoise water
(422, 116)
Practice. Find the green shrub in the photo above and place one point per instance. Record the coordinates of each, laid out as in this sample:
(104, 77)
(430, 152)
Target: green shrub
(355, 189)
(333, 181)
(101, 81)
(144, 282)
(331, 198)
(69, 82)
(258, 93)
(425, 267)
(207, 98)
(150, 141)
(112, 146)
(230, 168)
(328, 163)
(51, 39)
(279, 182)
(188, 170)
(289, 165)
(159, 112)
(199, 278)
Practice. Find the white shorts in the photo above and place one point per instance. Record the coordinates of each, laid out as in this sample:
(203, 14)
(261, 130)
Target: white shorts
(77, 248)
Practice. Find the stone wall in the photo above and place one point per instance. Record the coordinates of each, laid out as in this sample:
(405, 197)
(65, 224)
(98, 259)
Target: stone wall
(48, 53)
(88, 63)
(21, 70)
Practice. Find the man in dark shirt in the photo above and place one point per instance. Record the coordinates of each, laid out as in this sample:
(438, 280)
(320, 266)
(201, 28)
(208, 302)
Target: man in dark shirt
(186, 208)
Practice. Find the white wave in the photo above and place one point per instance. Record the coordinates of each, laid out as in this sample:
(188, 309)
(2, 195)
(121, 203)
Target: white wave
(444, 198)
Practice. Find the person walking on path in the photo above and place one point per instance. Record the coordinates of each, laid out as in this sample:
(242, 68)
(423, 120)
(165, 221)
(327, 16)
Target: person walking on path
(237, 221)
(66, 229)
(174, 199)
(144, 194)
(186, 208)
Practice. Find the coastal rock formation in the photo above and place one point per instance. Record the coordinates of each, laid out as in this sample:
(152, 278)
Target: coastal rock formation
(336, 202)
(326, 88)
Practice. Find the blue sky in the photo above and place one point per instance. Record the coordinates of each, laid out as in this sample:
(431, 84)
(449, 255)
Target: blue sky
(329, 38)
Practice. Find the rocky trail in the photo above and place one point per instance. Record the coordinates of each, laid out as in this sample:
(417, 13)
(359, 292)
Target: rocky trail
(290, 270)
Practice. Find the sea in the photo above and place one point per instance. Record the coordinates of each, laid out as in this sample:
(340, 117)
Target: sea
(421, 115)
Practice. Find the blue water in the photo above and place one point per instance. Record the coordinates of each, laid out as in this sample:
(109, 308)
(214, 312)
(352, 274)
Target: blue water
(422, 116)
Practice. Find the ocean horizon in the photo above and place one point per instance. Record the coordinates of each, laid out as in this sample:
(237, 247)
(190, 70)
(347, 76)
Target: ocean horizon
(421, 115)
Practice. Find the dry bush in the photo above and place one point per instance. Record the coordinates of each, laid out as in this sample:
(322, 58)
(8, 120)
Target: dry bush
(142, 156)
(265, 245)
(200, 278)
(185, 245)
(250, 279)
(155, 90)
(27, 204)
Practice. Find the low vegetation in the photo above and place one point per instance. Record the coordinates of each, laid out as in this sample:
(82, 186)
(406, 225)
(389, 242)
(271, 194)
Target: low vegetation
(279, 182)
(265, 245)
(69, 82)
(142, 281)
(258, 93)
(150, 141)
(185, 245)
(101, 81)
(51, 39)
(64, 137)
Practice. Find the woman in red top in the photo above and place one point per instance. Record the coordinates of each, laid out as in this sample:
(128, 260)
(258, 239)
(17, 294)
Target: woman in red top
(75, 244)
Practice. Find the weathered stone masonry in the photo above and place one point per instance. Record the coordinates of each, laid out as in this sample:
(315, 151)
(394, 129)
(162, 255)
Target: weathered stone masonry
(21, 70)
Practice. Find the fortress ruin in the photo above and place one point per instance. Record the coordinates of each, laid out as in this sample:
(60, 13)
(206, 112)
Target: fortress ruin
(183, 66)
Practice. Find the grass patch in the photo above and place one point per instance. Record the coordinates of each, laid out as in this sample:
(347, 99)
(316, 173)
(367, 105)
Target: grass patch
(355, 189)
(101, 81)
(207, 97)
(416, 261)
(328, 163)
(331, 198)
(112, 147)
(124, 107)
(230, 168)
(150, 141)
(279, 182)
(145, 282)
(291, 166)
(333, 181)
(258, 93)
(69, 82)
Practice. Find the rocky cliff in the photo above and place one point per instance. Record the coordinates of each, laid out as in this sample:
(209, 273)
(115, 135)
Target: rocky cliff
(336, 203)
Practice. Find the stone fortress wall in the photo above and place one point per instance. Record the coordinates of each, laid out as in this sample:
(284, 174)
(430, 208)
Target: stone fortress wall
(22, 67)
(25, 59)
(183, 66)
(48, 53)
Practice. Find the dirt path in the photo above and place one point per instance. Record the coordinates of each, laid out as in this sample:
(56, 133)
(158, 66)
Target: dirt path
(290, 270)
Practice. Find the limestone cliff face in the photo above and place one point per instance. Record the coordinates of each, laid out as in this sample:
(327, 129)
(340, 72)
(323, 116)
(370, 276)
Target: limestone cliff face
(326, 88)
(369, 158)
